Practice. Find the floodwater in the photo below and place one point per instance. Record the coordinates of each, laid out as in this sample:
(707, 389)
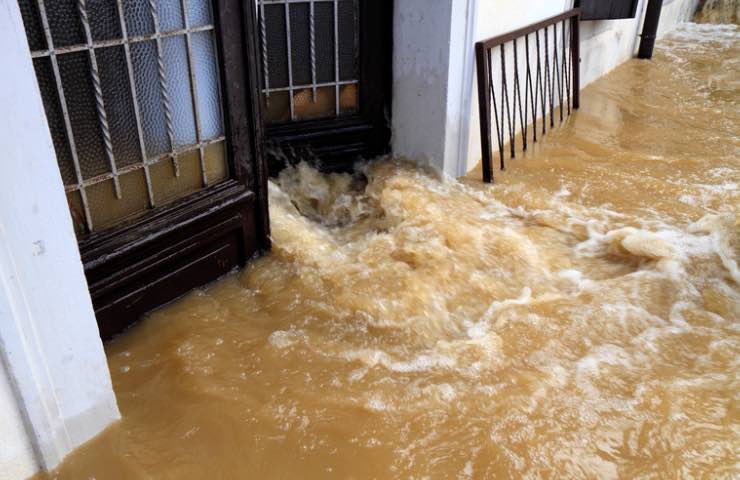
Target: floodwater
(578, 319)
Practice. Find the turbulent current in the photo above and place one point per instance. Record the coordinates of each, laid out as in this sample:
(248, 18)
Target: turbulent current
(580, 318)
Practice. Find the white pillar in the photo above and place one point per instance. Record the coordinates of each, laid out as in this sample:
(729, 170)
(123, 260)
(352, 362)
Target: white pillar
(51, 353)
(432, 79)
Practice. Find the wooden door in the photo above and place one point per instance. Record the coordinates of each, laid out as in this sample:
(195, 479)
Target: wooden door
(154, 112)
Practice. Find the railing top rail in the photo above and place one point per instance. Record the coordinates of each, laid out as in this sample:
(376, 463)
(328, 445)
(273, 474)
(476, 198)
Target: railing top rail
(509, 36)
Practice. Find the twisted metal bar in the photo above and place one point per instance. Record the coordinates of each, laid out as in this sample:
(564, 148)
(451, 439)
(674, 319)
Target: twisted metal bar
(163, 86)
(265, 63)
(312, 35)
(65, 114)
(99, 101)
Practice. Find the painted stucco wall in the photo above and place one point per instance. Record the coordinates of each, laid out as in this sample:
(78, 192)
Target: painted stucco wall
(17, 459)
(55, 381)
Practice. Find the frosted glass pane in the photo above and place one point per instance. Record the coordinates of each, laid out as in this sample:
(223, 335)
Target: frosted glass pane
(79, 94)
(277, 53)
(276, 107)
(167, 187)
(52, 107)
(348, 39)
(300, 43)
(138, 17)
(64, 22)
(170, 15)
(348, 101)
(324, 31)
(104, 22)
(144, 58)
(32, 23)
(175, 55)
(107, 210)
(217, 168)
(199, 12)
(306, 107)
(206, 79)
(119, 105)
(77, 212)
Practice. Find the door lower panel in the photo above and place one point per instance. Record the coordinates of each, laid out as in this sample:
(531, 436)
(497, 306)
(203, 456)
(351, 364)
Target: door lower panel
(201, 240)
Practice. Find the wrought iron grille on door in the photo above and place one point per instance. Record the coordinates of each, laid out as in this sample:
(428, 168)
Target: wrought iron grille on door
(325, 74)
(153, 108)
(310, 53)
(131, 92)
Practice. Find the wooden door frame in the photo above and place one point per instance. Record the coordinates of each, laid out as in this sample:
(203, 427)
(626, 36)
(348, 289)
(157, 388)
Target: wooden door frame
(136, 267)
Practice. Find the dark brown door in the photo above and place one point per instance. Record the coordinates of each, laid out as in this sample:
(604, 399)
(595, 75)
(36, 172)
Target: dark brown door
(154, 112)
(325, 80)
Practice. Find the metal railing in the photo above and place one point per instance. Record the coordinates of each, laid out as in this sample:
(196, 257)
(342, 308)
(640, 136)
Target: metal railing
(550, 75)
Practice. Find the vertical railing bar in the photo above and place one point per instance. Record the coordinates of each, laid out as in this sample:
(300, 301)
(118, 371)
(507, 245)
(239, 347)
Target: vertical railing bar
(505, 101)
(504, 94)
(499, 125)
(164, 87)
(566, 70)
(289, 48)
(483, 67)
(527, 88)
(575, 46)
(541, 90)
(336, 57)
(312, 36)
(556, 68)
(194, 92)
(263, 43)
(548, 80)
(134, 98)
(65, 114)
(99, 100)
(518, 94)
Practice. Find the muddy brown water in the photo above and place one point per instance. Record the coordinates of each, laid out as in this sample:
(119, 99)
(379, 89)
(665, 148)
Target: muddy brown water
(578, 319)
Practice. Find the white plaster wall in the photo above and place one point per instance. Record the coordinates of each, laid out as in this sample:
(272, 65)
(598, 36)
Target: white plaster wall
(604, 44)
(49, 341)
(17, 459)
(421, 37)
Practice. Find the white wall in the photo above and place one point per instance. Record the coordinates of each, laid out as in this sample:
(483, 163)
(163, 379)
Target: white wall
(435, 110)
(430, 78)
(53, 360)
(17, 458)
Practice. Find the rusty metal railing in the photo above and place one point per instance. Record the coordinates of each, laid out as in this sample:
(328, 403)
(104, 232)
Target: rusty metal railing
(551, 78)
